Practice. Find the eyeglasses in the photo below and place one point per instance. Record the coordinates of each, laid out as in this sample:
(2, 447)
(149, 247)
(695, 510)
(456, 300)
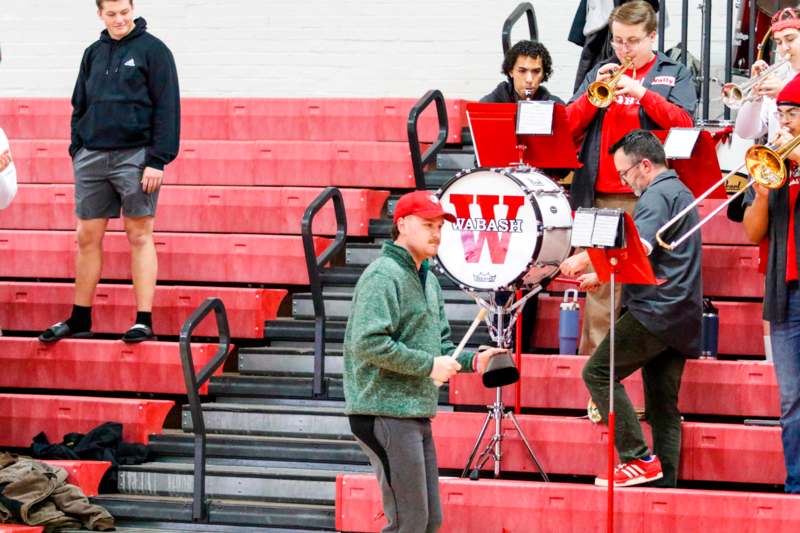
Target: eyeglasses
(789, 115)
(624, 173)
(631, 43)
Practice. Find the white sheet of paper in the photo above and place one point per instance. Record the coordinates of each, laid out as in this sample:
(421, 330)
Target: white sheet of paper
(582, 228)
(534, 117)
(680, 142)
(605, 230)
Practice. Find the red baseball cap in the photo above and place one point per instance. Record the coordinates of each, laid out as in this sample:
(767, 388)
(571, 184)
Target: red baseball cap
(422, 204)
(790, 94)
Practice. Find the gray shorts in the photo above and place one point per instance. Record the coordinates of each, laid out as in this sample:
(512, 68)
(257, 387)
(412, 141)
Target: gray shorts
(109, 180)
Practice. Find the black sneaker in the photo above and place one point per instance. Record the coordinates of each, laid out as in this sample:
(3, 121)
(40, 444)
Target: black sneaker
(138, 333)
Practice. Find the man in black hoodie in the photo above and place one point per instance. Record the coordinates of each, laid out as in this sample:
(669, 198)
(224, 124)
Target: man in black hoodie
(526, 66)
(125, 129)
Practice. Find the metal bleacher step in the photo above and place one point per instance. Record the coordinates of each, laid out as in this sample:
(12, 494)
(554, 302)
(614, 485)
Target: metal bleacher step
(436, 178)
(272, 419)
(272, 483)
(287, 361)
(337, 306)
(173, 444)
(225, 515)
(303, 330)
(455, 159)
(258, 387)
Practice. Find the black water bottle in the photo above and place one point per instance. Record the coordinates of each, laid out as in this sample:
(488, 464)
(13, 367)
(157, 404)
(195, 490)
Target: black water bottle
(710, 330)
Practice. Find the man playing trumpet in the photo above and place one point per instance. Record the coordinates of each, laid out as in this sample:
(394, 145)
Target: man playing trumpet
(758, 115)
(656, 93)
(773, 214)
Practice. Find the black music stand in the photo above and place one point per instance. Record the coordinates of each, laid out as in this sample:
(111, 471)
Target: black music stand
(617, 254)
(500, 332)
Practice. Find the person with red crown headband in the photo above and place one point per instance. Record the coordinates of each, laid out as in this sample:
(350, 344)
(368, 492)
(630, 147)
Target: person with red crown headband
(759, 116)
(773, 214)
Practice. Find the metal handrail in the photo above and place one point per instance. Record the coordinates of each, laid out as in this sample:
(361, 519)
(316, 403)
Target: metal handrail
(525, 8)
(314, 266)
(419, 161)
(194, 382)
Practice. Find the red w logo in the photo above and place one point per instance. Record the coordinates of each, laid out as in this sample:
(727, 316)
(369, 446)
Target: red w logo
(498, 241)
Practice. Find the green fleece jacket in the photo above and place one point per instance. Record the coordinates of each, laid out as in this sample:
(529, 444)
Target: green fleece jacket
(396, 328)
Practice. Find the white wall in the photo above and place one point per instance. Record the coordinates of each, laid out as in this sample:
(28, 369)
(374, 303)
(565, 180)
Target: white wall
(306, 48)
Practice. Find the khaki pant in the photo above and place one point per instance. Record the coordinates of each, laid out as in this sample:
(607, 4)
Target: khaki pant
(598, 303)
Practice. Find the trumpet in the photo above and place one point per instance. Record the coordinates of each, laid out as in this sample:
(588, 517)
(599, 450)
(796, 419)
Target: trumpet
(734, 96)
(765, 164)
(601, 93)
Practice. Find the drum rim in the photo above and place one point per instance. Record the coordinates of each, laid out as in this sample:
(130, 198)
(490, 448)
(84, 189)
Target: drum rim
(507, 171)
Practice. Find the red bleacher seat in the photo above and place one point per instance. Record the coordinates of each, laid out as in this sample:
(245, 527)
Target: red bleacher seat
(267, 162)
(709, 452)
(728, 272)
(152, 367)
(247, 119)
(36, 306)
(269, 210)
(36, 118)
(84, 474)
(523, 506)
(12, 528)
(740, 326)
(720, 230)
(274, 259)
(23, 416)
(740, 388)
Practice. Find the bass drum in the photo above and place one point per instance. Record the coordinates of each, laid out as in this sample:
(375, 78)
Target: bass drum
(513, 229)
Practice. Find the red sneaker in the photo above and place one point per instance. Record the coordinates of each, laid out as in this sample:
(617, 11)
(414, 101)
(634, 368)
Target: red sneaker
(633, 472)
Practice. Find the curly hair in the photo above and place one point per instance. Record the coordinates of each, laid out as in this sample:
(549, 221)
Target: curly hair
(532, 49)
(100, 3)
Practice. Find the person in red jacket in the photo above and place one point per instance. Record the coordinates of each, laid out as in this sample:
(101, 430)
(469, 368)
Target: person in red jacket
(656, 93)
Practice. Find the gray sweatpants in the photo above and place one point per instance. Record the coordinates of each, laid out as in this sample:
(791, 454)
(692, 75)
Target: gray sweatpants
(402, 454)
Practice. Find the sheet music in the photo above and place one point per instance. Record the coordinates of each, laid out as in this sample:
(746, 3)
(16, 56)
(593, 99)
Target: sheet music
(606, 226)
(534, 117)
(680, 142)
(582, 228)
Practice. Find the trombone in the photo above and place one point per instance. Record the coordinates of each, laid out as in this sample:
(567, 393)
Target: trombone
(765, 164)
(601, 93)
(734, 96)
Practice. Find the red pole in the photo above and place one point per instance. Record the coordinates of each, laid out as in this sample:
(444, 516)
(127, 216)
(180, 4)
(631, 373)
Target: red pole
(611, 422)
(518, 360)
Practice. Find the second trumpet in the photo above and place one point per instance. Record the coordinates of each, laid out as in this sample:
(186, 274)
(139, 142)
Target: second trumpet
(734, 96)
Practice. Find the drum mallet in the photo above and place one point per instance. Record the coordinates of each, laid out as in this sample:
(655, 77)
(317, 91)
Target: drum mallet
(460, 348)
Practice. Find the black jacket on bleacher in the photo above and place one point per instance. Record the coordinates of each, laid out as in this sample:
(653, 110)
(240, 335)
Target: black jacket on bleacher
(127, 96)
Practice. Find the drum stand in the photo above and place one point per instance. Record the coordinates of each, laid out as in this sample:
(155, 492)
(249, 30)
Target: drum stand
(500, 333)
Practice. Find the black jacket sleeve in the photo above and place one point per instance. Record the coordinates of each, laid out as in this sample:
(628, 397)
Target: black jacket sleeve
(162, 85)
(79, 103)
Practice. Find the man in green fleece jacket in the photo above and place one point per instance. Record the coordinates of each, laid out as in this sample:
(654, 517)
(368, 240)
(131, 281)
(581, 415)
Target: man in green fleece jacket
(397, 344)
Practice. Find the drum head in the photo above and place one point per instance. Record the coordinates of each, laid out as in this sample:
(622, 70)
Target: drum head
(497, 231)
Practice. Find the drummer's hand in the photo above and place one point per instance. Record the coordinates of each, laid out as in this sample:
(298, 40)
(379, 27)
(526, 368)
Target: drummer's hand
(572, 266)
(444, 367)
(627, 86)
(485, 355)
(758, 67)
(589, 282)
(770, 86)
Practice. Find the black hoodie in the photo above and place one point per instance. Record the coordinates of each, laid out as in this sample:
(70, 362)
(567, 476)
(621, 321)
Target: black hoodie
(127, 96)
(504, 93)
